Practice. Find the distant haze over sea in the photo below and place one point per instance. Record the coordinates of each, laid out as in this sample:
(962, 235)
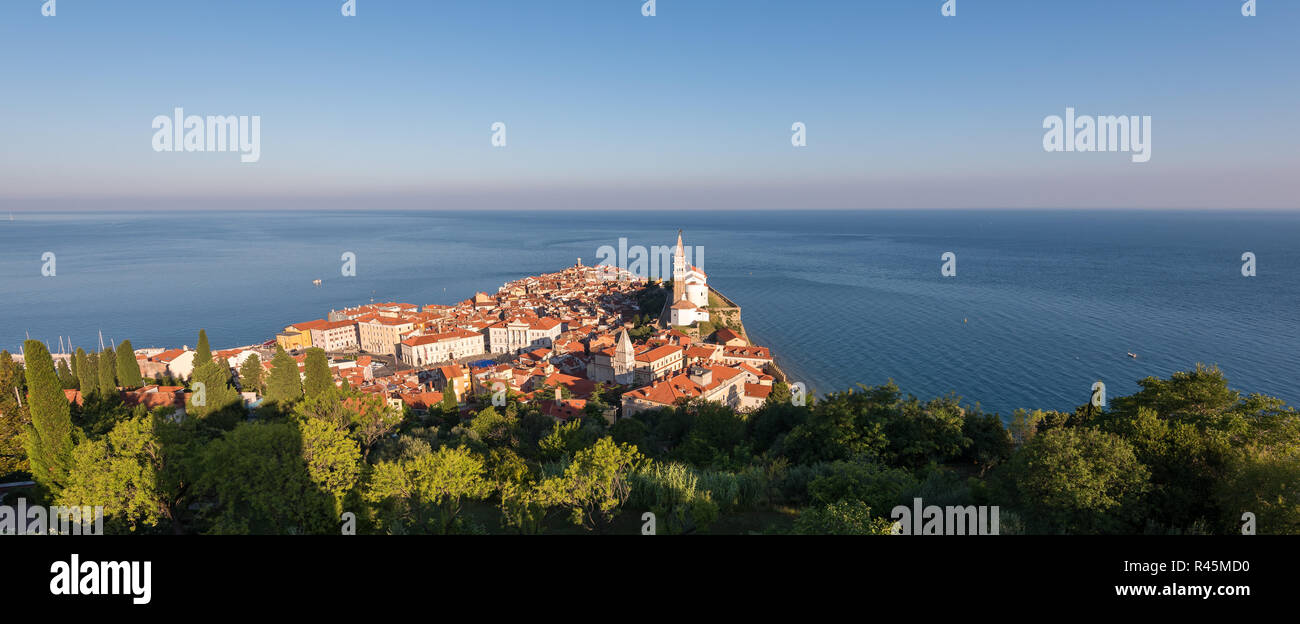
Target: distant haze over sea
(1043, 303)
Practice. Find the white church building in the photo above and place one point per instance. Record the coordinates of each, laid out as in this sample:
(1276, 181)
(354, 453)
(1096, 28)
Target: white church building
(690, 290)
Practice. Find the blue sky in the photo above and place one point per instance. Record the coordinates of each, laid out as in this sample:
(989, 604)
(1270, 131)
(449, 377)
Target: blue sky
(691, 108)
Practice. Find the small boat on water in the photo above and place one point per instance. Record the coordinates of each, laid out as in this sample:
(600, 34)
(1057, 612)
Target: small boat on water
(316, 282)
(1132, 355)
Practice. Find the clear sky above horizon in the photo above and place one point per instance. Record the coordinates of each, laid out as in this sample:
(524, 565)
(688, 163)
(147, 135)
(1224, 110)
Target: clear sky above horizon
(692, 108)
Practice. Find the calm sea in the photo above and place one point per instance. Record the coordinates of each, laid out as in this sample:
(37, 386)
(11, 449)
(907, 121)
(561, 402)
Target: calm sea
(1043, 303)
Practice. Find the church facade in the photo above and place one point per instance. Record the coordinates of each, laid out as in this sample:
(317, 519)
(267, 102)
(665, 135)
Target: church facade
(616, 365)
(690, 290)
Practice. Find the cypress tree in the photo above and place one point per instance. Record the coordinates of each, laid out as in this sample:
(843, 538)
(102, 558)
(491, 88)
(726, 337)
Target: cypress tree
(215, 399)
(203, 353)
(128, 370)
(14, 418)
(66, 378)
(284, 385)
(81, 366)
(49, 437)
(319, 379)
(90, 375)
(250, 374)
(108, 373)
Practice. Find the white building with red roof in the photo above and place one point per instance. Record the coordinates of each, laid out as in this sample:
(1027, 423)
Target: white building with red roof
(444, 347)
(720, 384)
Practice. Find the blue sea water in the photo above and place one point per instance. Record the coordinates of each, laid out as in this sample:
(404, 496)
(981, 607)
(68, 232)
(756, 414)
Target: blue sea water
(1043, 303)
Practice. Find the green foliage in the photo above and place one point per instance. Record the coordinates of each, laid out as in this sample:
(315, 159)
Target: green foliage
(878, 486)
(1183, 455)
(1265, 483)
(780, 394)
(107, 370)
(366, 417)
(67, 379)
(49, 438)
(425, 493)
(333, 459)
(1077, 480)
(715, 430)
(841, 518)
(1198, 437)
(128, 369)
(261, 483)
(746, 490)
(490, 426)
(121, 473)
(670, 491)
(629, 430)
(594, 485)
(14, 418)
(317, 371)
(450, 408)
(991, 443)
(650, 301)
(525, 501)
(564, 441)
(770, 423)
(879, 421)
(251, 374)
(846, 424)
(87, 374)
(202, 353)
(213, 399)
(641, 332)
(284, 386)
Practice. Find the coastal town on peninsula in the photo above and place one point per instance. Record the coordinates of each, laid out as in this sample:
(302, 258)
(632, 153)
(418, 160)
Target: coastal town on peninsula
(553, 340)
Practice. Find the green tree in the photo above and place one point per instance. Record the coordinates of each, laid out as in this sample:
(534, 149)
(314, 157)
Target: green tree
(1267, 484)
(628, 430)
(425, 493)
(66, 378)
(849, 517)
(779, 395)
(450, 408)
(1078, 480)
(715, 429)
(318, 376)
(1197, 435)
(49, 437)
(333, 459)
(203, 353)
(119, 472)
(128, 369)
(284, 385)
(87, 375)
(365, 416)
(250, 374)
(14, 417)
(991, 443)
(489, 425)
(107, 370)
(564, 440)
(261, 484)
(91, 380)
(525, 503)
(843, 425)
(595, 485)
(212, 398)
(878, 486)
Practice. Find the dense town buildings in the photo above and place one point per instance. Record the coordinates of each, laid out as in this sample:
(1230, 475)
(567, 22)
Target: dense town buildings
(552, 339)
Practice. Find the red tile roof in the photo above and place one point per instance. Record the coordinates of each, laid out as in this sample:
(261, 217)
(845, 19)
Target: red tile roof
(658, 353)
